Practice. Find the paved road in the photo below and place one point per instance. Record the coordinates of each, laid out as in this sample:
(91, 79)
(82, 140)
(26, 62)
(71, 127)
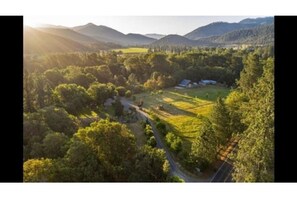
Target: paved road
(224, 173)
(175, 167)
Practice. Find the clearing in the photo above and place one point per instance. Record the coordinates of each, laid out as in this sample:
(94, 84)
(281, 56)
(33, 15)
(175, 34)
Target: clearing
(180, 108)
(132, 50)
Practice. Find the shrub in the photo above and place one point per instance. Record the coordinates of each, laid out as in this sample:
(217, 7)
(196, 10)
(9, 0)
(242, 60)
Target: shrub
(161, 127)
(152, 141)
(128, 94)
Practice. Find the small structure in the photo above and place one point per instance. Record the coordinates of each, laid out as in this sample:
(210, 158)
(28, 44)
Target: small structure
(207, 82)
(185, 83)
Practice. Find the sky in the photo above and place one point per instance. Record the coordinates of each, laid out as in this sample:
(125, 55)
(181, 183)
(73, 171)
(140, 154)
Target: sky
(136, 24)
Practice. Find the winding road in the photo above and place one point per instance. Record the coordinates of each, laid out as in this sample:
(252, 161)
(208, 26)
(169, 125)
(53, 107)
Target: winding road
(175, 167)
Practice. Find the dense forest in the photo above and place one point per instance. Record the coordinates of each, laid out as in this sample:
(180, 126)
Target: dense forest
(61, 143)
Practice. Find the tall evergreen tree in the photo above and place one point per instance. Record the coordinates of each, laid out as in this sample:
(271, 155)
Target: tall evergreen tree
(251, 72)
(203, 151)
(220, 119)
(254, 161)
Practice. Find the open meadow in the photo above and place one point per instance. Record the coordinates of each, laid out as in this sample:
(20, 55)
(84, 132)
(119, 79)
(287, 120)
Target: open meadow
(181, 108)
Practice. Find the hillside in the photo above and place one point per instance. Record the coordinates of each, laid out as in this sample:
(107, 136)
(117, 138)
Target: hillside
(220, 28)
(261, 35)
(38, 42)
(173, 40)
(69, 34)
(107, 34)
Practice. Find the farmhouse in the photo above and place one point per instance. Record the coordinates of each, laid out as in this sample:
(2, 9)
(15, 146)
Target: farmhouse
(207, 82)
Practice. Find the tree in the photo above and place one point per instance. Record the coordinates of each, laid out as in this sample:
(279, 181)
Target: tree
(39, 170)
(152, 141)
(204, 147)
(174, 142)
(113, 145)
(151, 166)
(81, 164)
(72, 97)
(254, 161)
(251, 72)
(118, 107)
(161, 127)
(59, 120)
(121, 91)
(55, 145)
(99, 93)
(220, 119)
(233, 102)
(28, 92)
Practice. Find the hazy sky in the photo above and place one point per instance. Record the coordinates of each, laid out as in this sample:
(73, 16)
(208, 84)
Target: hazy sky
(136, 24)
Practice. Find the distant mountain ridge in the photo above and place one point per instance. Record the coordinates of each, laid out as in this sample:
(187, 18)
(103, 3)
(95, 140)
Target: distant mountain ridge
(91, 37)
(259, 35)
(107, 34)
(220, 28)
(48, 40)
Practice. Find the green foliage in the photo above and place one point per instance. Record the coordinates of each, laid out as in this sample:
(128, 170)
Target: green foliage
(151, 166)
(173, 142)
(254, 161)
(113, 145)
(251, 72)
(99, 93)
(72, 97)
(59, 120)
(161, 127)
(220, 119)
(121, 91)
(233, 103)
(118, 107)
(128, 94)
(55, 145)
(175, 179)
(203, 151)
(152, 141)
(148, 131)
(39, 170)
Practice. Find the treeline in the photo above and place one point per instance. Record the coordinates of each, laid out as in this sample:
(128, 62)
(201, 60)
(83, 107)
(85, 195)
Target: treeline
(247, 113)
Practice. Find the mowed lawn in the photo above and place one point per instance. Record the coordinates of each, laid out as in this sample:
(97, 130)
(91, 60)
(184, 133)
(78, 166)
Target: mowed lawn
(181, 107)
(132, 50)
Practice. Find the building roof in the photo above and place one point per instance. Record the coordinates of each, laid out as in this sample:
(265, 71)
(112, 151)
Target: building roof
(184, 82)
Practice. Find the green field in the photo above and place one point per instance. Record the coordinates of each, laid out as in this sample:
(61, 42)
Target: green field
(181, 107)
(132, 50)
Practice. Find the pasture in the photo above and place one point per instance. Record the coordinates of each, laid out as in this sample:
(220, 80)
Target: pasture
(181, 108)
(132, 50)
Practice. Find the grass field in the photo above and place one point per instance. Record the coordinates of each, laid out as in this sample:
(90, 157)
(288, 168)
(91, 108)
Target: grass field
(132, 50)
(181, 107)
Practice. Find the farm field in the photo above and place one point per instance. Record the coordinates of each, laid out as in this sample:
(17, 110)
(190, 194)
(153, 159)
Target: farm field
(132, 50)
(181, 107)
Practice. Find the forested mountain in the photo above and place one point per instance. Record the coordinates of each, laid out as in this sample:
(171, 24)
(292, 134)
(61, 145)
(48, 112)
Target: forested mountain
(260, 35)
(53, 40)
(107, 34)
(220, 28)
(174, 40)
